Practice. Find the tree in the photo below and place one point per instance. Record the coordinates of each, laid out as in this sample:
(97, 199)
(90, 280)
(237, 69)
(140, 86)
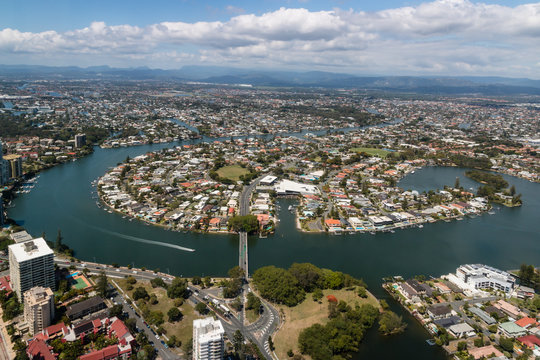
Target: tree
(253, 302)
(236, 272)
(462, 345)
(155, 282)
(58, 244)
(456, 183)
(308, 275)
(362, 292)
(178, 289)
(117, 310)
(201, 308)
(140, 293)
(270, 343)
(102, 285)
(238, 340)
(156, 318)
(196, 280)
(317, 294)
(390, 323)
(173, 341)
(174, 314)
(278, 285)
(507, 344)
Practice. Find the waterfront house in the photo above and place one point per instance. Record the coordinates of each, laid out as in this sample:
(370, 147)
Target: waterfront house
(409, 292)
(461, 330)
(443, 289)
(439, 311)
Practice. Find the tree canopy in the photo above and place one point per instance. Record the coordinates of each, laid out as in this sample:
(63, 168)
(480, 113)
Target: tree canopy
(340, 336)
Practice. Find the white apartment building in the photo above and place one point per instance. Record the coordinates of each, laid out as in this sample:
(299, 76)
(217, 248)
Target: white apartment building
(38, 308)
(208, 339)
(478, 276)
(31, 263)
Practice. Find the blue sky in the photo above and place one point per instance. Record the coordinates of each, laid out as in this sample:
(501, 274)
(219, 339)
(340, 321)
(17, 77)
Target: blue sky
(443, 37)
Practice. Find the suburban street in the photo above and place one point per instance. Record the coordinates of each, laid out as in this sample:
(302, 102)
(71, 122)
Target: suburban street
(162, 351)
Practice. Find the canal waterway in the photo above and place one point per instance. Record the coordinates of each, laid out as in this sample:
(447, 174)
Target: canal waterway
(63, 199)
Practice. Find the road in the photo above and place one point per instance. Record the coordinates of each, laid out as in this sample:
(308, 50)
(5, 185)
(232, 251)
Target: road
(245, 199)
(456, 306)
(257, 332)
(162, 351)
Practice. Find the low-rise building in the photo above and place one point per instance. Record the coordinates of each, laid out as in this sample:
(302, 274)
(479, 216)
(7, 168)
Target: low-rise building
(85, 307)
(439, 311)
(510, 329)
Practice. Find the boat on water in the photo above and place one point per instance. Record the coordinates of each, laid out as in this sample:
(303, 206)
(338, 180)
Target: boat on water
(412, 172)
(420, 226)
(491, 212)
(431, 342)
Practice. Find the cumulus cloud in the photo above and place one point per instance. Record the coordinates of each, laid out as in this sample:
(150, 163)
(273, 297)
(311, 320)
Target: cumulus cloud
(440, 37)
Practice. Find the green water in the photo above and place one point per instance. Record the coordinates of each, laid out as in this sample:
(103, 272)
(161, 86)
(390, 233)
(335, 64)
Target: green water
(62, 199)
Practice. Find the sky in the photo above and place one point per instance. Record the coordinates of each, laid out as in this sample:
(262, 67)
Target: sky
(385, 37)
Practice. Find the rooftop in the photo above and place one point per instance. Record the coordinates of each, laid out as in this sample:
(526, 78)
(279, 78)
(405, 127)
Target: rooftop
(29, 250)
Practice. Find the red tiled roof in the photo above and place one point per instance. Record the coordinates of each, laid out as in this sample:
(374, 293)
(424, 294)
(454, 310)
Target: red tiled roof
(55, 329)
(529, 341)
(4, 283)
(526, 321)
(119, 329)
(40, 350)
(109, 352)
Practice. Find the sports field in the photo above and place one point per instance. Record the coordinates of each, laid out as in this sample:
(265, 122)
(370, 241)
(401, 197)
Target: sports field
(232, 172)
(79, 281)
(372, 151)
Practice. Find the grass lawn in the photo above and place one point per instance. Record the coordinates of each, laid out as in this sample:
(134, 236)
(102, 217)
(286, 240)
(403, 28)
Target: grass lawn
(252, 316)
(308, 313)
(232, 172)
(372, 151)
(183, 329)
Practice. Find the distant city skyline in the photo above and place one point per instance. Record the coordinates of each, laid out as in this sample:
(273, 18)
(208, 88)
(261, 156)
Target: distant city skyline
(443, 37)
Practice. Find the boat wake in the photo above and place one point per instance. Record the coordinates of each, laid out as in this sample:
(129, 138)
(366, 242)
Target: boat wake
(146, 241)
(141, 240)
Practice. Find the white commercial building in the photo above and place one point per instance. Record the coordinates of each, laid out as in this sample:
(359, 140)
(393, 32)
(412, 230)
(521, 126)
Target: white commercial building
(31, 263)
(477, 276)
(38, 308)
(287, 187)
(208, 339)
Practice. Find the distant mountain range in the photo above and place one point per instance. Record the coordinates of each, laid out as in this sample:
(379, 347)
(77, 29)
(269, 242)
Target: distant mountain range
(231, 76)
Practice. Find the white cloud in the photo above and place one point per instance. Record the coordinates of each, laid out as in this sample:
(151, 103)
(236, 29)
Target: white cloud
(440, 37)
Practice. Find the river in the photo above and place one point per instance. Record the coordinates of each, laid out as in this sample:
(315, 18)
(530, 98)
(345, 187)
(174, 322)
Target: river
(62, 199)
